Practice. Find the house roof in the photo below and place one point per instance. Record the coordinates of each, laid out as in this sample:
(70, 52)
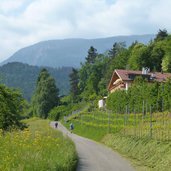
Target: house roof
(129, 75)
(158, 76)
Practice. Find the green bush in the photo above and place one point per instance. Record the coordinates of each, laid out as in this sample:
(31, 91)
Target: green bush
(58, 112)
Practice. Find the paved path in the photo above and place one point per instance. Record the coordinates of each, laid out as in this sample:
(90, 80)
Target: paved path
(94, 156)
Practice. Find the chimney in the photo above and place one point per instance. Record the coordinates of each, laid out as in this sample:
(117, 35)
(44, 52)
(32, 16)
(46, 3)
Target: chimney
(145, 70)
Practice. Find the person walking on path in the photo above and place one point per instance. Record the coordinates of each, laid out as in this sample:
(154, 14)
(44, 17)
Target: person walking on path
(71, 127)
(56, 124)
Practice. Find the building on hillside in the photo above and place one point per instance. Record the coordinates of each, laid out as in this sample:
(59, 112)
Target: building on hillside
(102, 103)
(122, 79)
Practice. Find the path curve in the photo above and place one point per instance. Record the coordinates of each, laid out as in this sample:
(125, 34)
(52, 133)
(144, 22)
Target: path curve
(94, 156)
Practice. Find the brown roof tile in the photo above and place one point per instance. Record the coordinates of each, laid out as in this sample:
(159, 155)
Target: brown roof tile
(124, 75)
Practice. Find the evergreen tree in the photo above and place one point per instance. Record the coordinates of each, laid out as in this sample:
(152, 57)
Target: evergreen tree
(162, 34)
(116, 49)
(45, 96)
(92, 54)
(74, 80)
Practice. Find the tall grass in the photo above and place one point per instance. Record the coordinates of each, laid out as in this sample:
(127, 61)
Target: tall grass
(86, 130)
(37, 148)
(154, 125)
(148, 155)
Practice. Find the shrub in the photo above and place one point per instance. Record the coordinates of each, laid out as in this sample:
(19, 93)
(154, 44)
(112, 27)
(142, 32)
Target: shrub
(57, 112)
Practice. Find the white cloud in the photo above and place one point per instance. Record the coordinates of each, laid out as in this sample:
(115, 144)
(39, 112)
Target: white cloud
(160, 14)
(24, 22)
(7, 6)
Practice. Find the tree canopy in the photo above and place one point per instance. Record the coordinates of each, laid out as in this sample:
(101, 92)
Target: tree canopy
(92, 53)
(162, 34)
(74, 80)
(11, 108)
(45, 96)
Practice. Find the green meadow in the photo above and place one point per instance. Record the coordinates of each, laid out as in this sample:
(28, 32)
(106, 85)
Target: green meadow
(39, 147)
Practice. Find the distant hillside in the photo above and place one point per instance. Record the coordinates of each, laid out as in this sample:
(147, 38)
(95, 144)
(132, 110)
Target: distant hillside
(24, 76)
(68, 52)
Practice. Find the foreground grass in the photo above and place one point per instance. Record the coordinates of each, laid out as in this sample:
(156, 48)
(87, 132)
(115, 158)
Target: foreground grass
(37, 148)
(131, 139)
(147, 154)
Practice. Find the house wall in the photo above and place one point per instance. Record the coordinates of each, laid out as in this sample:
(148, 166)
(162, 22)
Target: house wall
(114, 78)
(121, 86)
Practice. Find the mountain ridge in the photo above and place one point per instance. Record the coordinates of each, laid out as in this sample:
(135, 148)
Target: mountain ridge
(69, 52)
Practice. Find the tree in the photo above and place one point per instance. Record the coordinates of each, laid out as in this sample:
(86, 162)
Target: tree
(138, 57)
(116, 49)
(57, 112)
(157, 53)
(45, 96)
(162, 34)
(166, 63)
(11, 107)
(92, 54)
(84, 73)
(74, 80)
(166, 60)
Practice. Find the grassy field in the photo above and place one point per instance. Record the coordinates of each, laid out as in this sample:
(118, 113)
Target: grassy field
(38, 147)
(86, 131)
(145, 154)
(157, 126)
(145, 140)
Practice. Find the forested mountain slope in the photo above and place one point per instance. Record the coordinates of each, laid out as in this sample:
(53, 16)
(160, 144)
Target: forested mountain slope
(24, 76)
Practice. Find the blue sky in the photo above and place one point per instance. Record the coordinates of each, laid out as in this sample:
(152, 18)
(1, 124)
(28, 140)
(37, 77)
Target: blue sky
(25, 22)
